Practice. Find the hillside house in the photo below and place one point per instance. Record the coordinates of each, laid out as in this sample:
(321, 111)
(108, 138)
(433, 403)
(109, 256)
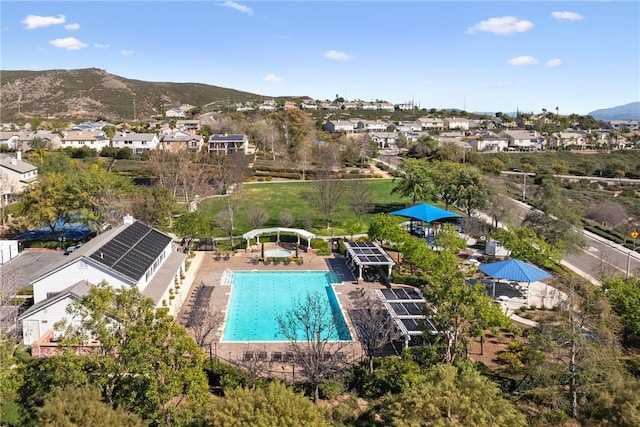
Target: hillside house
(136, 142)
(228, 143)
(181, 141)
(90, 139)
(431, 123)
(15, 176)
(525, 140)
(130, 255)
(339, 126)
(175, 113)
(457, 123)
(370, 126)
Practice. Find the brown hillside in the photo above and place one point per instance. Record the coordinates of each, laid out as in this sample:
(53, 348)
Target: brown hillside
(91, 93)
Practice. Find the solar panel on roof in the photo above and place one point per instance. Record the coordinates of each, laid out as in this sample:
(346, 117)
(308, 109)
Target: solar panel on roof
(133, 250)
(411, 325)
(415, 309)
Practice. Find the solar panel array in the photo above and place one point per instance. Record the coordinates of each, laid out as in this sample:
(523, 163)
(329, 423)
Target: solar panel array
(368, 253)
(408, 308)
(133, 250)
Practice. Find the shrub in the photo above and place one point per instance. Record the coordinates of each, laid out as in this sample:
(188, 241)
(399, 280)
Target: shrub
(322, 246)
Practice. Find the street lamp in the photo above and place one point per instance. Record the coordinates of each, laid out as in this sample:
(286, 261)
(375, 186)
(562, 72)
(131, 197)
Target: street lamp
(524, 186)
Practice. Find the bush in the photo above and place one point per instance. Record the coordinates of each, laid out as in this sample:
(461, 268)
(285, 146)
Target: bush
(322, 247)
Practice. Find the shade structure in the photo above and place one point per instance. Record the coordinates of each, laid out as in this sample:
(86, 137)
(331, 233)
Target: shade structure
(514, 270)
(425, 212)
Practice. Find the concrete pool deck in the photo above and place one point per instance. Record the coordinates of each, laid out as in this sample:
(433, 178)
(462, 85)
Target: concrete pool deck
(207, 270)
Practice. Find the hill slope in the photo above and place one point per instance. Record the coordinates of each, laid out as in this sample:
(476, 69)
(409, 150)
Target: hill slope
(622, 112)
(91, 93)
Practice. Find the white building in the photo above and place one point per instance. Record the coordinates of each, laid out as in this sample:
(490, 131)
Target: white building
(130, 255)
(15, 175)
(137, 142)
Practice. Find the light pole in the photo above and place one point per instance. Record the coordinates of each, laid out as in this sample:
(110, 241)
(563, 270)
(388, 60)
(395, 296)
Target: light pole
(629, 260)
(524, 186)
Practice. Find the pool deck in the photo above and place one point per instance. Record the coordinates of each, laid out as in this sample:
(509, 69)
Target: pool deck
(207, 270)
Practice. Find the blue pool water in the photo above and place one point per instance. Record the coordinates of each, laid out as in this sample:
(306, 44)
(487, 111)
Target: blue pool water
(258, 298)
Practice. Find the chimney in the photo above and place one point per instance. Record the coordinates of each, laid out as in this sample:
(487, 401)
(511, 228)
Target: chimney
(128, 219)
(19, 155)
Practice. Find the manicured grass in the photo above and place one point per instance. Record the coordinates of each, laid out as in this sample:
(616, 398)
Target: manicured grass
(276, 197)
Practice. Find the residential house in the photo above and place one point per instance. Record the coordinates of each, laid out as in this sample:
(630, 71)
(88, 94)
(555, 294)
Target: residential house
(15, 176)
(181, 141)
(370, 126)
(267, 105)
(457, 123)
(406, 127)
(175, 113)
(228, 143)
(520, 139)
(244, 107)
(339, 126)
(568, 139)
(77, 139)
(290, 105)
(188, 125)
(385, 139)
(137, 142)
(309, 104)
(130, 255)
(625, 124)
(431, 123)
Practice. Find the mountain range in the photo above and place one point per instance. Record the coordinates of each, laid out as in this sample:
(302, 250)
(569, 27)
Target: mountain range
(92, 93)
(629, 111)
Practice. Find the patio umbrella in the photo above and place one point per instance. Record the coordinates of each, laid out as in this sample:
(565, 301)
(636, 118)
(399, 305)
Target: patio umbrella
(514, 270)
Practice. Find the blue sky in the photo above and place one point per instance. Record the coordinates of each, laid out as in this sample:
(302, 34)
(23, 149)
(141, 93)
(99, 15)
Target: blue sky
(486, 56)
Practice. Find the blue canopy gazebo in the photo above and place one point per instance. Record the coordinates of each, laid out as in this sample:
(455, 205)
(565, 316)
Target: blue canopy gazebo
(514, 270)
(426, 213)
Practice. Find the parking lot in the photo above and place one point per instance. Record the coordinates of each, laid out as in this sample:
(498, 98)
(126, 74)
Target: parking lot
(30, 264)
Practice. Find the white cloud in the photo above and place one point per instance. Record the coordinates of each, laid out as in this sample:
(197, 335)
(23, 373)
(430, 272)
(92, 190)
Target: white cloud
(126, 52)
(72, 27)
(337, 56)
(69, 43)
(272, 78)
(501, 26)
(35, 21)
(239, 7)
(101, 46)
(554, 62)
(567, 16)
(522, 60)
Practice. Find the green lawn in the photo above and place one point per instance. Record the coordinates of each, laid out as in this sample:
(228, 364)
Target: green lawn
(275, 197)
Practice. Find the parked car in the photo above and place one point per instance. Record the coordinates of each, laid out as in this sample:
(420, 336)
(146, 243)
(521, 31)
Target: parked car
(71, 249)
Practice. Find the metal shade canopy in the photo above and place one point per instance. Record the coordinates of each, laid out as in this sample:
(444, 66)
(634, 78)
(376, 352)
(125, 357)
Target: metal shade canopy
(425, 212)
(515, 270)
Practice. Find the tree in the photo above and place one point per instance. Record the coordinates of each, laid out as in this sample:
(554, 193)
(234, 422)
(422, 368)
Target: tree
(450, 396)
(415, 182)
(169, 382)
(285, 218)
(191, 225)
(311, 327)
(72, 406)
(624, 297)
(51, 200)
(609, 214)
(579, 342)
(385, 229)
(273, 405)
(373, 324)
(473, 191)
(459, 311)
(359, 196)
(327, 196)
(256, 216)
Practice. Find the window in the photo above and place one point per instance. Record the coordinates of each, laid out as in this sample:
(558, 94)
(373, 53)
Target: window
(52, 294)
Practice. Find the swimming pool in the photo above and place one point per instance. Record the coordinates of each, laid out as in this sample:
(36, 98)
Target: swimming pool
(259, 297)
(278, 253)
